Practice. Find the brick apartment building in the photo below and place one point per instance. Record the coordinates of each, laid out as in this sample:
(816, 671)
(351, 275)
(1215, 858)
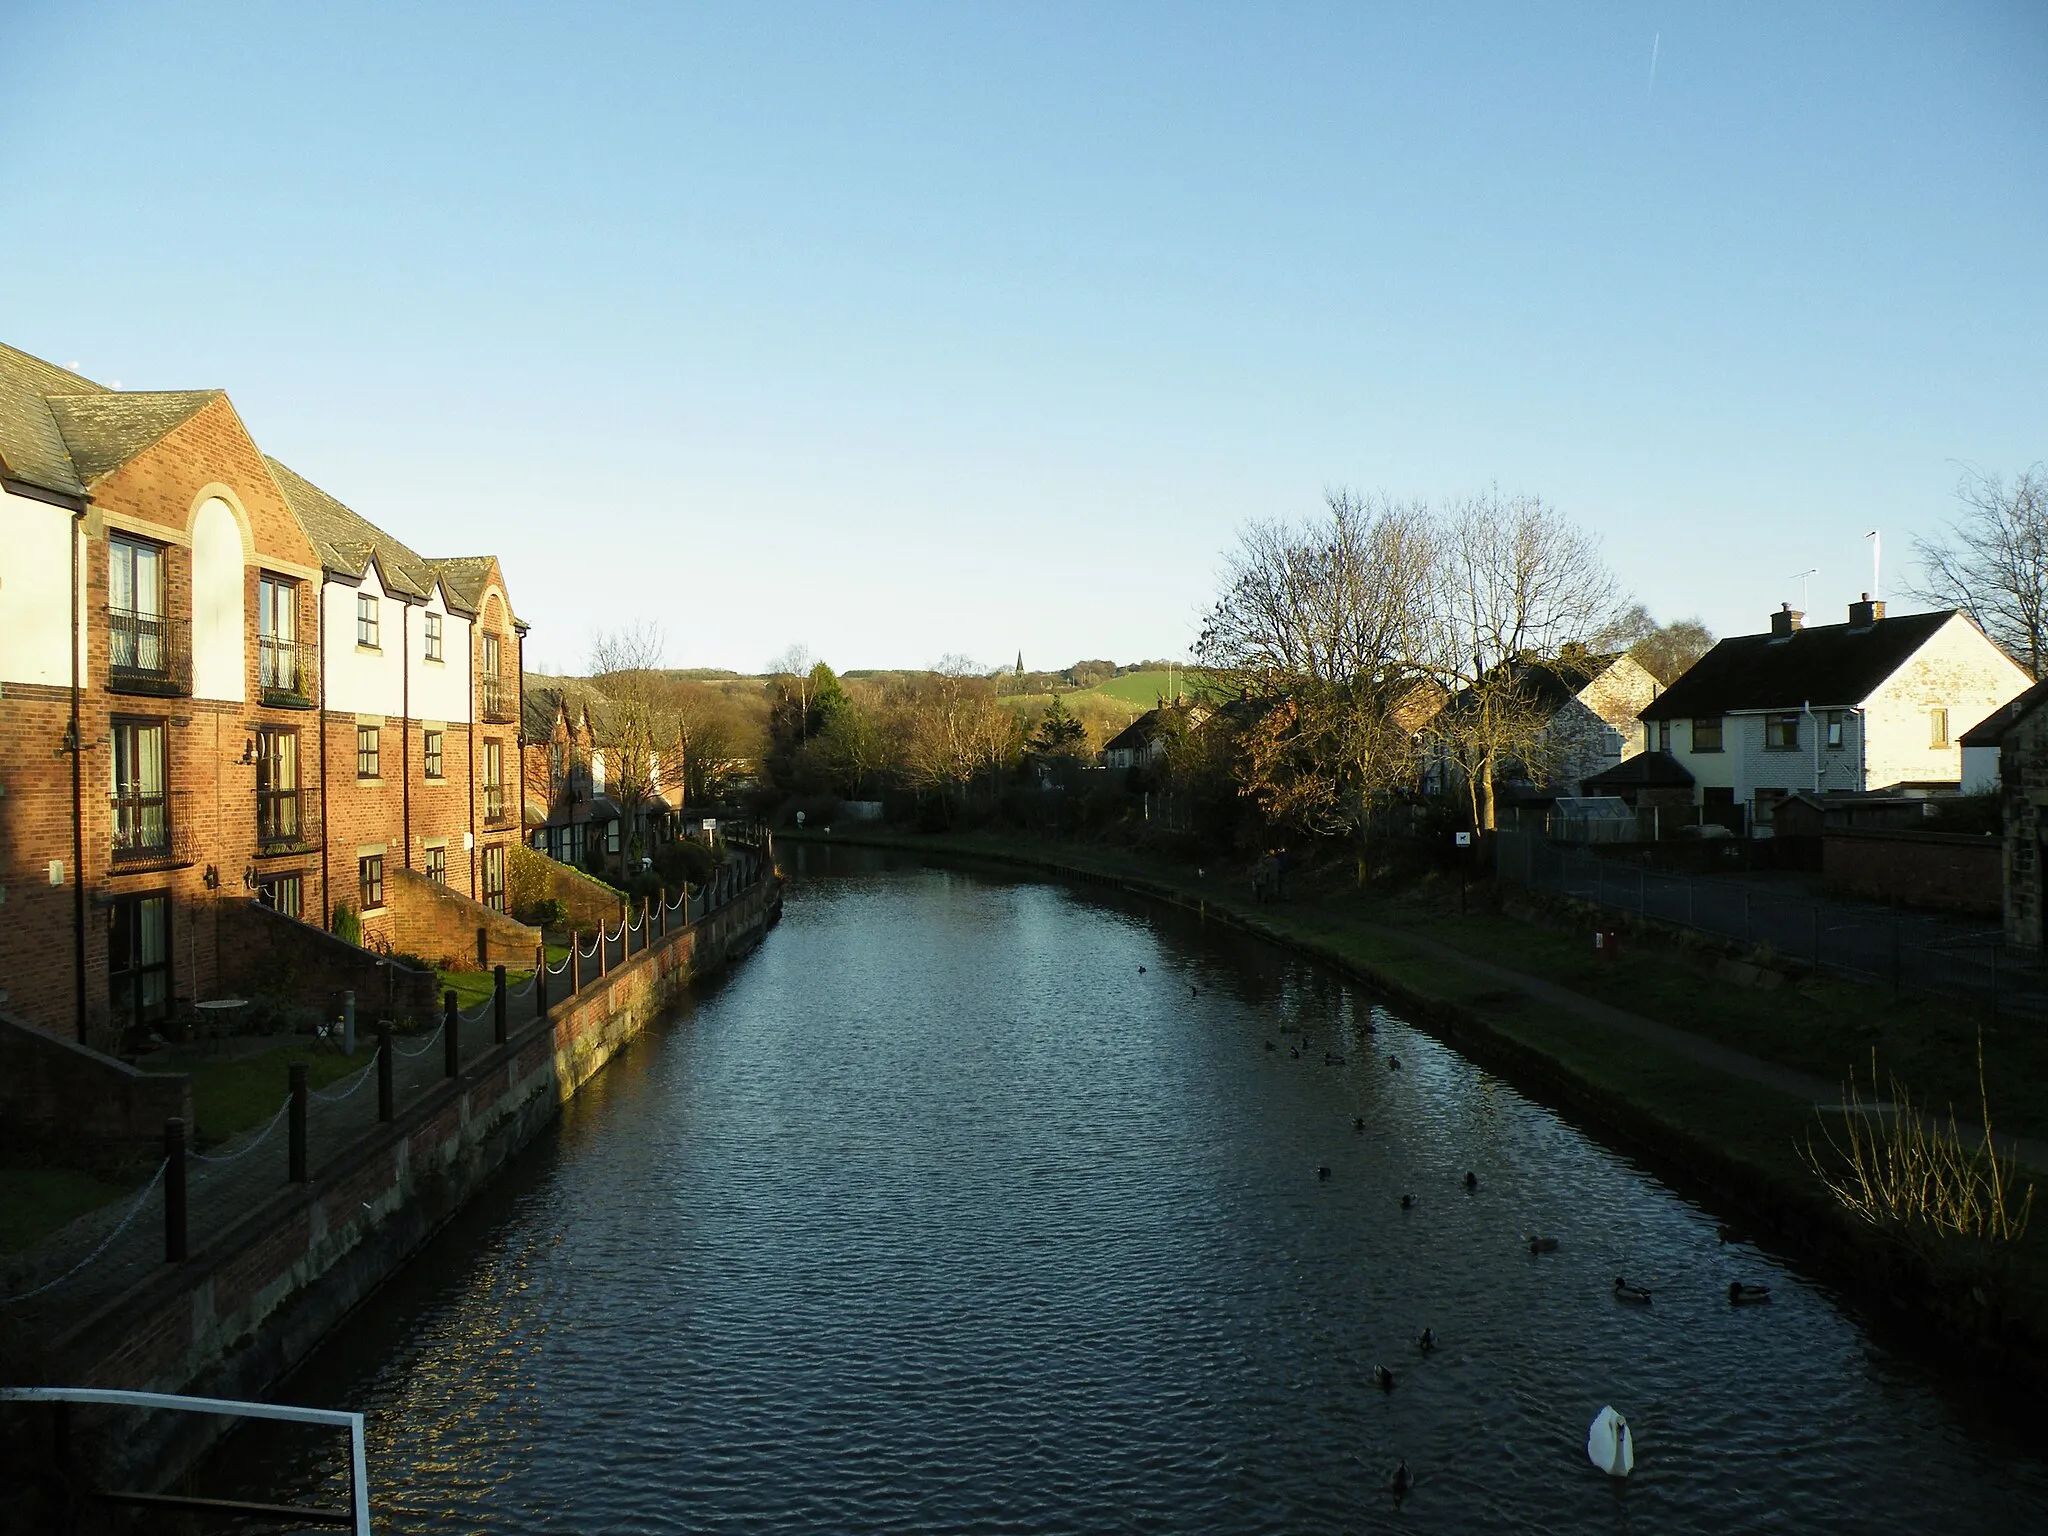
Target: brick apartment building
(188, 700)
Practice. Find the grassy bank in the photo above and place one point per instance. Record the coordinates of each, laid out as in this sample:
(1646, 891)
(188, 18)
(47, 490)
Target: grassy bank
(1738, 1140)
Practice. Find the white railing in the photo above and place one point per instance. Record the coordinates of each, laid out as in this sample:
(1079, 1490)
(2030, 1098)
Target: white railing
(357, 1516)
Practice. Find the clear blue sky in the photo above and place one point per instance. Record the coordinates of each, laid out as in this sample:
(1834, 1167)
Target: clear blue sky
(903, 331)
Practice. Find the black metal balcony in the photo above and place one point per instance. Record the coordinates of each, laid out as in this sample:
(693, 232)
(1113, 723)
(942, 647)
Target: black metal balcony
(147, 653)
(150, 831)
(285, 672)
(500, 698)
(287, 821)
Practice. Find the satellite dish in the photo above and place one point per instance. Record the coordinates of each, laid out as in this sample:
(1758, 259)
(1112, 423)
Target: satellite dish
(1609, 1444)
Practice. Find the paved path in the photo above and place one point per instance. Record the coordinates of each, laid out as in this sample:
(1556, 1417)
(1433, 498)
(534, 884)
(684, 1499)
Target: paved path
(1708, 1053)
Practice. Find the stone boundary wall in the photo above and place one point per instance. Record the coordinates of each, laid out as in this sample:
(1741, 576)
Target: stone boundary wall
(531, 875)
(265, 954)
(77, 1107)
(238, 1315)
(436, 922)
(1943, 871)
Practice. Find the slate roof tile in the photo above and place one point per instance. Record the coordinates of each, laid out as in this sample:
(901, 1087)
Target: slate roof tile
(1835, 666)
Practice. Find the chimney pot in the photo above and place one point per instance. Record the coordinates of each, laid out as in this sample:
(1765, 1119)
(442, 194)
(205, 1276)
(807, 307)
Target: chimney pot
(1786, 621)
(1865, 613)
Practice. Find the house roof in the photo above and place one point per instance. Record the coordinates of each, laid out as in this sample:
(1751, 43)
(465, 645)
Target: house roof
(1835, 665)
(1989, 731)
(1646, 770)
(1549, 684)
(104, 430)
(463, 578)
(1140, 733)
(347, 542)
(32, 447)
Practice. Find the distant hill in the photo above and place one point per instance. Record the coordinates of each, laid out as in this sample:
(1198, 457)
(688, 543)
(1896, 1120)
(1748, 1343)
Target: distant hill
(1147, 687)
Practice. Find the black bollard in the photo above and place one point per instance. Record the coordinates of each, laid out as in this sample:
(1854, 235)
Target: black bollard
(174, 1191)
(498, 1003)
(540, 980)
(295, 1123)
(451, 1035)
(386, 1108)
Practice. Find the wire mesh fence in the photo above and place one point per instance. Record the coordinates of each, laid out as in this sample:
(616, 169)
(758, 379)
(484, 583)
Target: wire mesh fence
(1922, 954)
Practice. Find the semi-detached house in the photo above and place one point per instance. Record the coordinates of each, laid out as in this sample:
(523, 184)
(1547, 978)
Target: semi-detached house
(184, 694)
(1875, 703)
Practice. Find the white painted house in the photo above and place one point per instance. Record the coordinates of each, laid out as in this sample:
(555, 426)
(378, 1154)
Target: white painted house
(1876, 703)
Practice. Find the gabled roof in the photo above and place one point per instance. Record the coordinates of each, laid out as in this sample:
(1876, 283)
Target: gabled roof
(1990, 731)
(463, 578)
(1646, 770)
(31, 445)
(1550, 685)
(104, 430)
(1832, 665)
(1141, 732)
(347, 542)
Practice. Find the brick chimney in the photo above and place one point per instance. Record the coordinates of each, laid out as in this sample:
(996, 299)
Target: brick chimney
(1785, 622)
(1865, 613)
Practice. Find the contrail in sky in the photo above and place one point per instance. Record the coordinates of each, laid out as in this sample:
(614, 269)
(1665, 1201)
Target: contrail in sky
(1655, 43)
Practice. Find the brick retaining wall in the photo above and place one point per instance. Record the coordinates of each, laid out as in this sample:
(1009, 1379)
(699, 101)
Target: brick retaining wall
(436, 922)
(1944, 871)
(68, 1102)
(265, 954)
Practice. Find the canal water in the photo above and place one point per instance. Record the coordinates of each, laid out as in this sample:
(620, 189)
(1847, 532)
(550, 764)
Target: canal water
(967, 1205)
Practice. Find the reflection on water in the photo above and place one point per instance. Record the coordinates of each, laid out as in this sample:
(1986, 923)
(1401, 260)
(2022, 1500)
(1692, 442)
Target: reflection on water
(938, 1215)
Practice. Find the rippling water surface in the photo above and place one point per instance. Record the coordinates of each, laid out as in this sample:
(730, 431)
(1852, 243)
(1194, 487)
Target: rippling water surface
(939, 1216)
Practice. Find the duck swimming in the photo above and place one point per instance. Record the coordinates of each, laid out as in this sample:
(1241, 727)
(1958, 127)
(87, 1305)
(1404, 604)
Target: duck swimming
(1383, 1378)
(1542, 1244)
(1740, 1295)
(1471, 1179)
(1428, 1340)
(1323, 1174)
(1407, 1202)
(1358, 1122)
(1293, 1053)
(1332, 1061)
(1393, 1063)
(1623, 1291)
(1401, 1481)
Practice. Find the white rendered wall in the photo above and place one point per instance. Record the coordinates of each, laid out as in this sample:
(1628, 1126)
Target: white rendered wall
(1957, 670)
(440, 689)
(35, 602)
(1980, 770)
(219, 655)
(359, 681)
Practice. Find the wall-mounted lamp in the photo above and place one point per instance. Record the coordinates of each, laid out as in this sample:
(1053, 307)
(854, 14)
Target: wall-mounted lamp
(211, 879)
(248, 751)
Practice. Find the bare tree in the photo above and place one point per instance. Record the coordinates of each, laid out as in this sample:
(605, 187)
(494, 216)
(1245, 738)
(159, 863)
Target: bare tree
(625, 663)
(1991, 561)
(1665, 651)
(1516, 582)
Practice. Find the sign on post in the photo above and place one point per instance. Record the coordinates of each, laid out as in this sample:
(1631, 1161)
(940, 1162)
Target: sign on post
(1464, 839)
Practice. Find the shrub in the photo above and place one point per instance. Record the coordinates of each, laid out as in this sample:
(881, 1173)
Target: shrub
(548, 912)
(348, 927)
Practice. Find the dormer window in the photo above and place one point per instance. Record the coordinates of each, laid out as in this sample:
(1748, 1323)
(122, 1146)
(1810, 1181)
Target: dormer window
(367, 629)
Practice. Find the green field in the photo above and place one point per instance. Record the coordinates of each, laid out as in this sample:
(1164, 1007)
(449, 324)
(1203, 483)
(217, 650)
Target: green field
(1144, 689)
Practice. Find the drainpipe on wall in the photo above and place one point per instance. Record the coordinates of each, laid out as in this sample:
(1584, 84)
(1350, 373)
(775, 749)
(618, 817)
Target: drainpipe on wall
(1813, 721)
(476, 717)
(405, 726)
(1862, 752)
(326, 810)
(77, 792)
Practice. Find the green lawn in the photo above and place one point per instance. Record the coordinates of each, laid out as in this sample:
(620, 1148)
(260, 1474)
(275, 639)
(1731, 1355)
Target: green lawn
(34, 1202)
(233, 1094)
(473, 987)
(1144, 689)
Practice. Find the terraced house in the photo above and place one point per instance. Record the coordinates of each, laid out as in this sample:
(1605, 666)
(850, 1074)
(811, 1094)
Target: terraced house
(204, 660)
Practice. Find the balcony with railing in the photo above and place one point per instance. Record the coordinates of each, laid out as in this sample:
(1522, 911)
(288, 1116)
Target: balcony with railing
(285, 672)
(151, 831)
(147, 653)
(500, 698)
(496, 812)
(287, 821)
